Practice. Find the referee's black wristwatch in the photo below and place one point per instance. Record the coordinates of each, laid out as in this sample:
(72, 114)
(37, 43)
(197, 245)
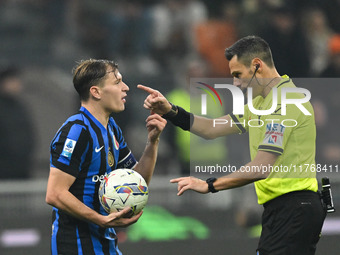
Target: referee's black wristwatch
(172, 113)
(210, 182)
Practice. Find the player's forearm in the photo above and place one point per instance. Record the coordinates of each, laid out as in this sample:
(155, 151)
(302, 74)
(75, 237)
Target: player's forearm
(59, 196)
(67, 202)
(147, 162)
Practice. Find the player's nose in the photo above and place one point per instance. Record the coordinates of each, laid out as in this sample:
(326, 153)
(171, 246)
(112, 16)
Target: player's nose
(125, 87)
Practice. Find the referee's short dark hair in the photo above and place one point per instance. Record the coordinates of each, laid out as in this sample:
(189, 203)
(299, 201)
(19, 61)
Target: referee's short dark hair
(248, 48)
(89, 73)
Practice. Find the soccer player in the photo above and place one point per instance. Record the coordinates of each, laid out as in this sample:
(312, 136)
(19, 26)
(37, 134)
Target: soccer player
(88, 145)
(293, 213)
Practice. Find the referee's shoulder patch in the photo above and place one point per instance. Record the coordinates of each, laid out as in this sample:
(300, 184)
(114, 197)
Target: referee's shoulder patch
(274, 134)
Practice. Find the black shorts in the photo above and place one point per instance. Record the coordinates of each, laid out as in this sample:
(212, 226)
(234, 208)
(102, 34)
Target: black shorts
(291, 224)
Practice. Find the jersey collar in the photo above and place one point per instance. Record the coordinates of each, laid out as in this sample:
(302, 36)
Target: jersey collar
(84, 110)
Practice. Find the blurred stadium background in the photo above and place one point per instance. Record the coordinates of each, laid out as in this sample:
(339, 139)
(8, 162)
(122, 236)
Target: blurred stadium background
(160, 44)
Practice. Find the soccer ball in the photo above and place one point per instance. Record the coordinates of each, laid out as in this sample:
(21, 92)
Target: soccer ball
(123, 188)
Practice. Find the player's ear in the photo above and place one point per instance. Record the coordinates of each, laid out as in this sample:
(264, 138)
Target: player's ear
(95, 92)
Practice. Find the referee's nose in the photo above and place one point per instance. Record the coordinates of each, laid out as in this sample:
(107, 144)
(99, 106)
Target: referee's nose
(237, 82)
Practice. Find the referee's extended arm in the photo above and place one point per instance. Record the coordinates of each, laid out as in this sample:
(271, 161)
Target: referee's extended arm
(201, 126)
(249, 173)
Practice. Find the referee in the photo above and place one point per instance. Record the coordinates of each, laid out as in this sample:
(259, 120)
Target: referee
(86, 147)
(293, 213)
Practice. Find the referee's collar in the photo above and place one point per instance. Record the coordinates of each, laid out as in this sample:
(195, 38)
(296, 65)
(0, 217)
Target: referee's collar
(285, 78)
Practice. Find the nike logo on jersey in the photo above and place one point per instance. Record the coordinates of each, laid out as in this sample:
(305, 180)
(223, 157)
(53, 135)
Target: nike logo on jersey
(98, 149)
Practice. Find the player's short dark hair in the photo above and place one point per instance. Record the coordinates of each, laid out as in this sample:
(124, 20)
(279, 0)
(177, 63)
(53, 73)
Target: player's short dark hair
(248, 48)
(89, 73)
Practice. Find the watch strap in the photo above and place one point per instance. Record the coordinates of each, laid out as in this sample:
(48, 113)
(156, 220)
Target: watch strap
(210, 182)
(172, 113)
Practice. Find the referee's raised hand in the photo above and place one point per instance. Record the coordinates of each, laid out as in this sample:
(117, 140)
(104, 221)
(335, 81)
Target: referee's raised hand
(155, 101)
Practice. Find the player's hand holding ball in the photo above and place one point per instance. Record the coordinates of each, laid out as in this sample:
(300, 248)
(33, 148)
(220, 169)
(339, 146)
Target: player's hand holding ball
(123, 194)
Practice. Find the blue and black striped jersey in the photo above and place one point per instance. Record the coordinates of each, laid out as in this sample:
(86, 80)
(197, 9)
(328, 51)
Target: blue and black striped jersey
(85, 149)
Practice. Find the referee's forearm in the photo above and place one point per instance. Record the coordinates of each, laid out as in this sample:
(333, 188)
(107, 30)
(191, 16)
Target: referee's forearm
(235, 180)
(251, 172)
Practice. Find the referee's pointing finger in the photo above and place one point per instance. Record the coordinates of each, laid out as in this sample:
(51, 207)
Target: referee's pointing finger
(147, 89)
(176, 180)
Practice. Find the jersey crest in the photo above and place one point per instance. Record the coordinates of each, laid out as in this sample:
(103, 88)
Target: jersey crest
(110, 158)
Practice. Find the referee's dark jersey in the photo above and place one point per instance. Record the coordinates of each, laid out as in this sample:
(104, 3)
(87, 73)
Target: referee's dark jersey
(85, 149)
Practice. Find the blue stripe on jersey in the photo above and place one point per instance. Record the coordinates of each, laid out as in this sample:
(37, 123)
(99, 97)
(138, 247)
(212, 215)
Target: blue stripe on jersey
(97, 246)
(114, 250)
(55, 228)
(80, 250)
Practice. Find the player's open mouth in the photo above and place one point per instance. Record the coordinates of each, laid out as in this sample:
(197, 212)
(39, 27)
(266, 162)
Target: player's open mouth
(123, 99)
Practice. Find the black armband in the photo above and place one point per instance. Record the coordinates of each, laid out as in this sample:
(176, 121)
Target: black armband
(180, 117)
